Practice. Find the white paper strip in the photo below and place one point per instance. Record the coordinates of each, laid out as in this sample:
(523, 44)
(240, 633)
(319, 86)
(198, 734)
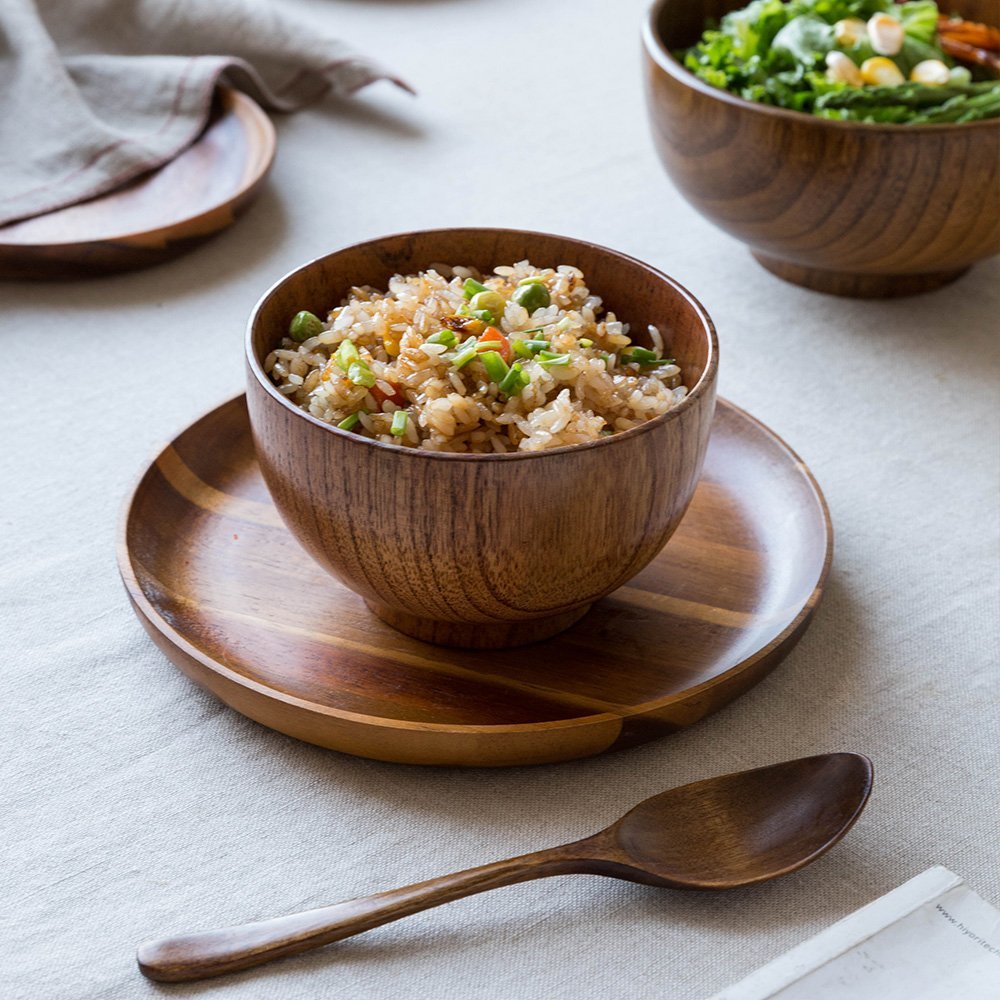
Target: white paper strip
(932, 938)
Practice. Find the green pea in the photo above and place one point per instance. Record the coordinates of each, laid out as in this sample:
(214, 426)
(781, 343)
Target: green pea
(532, 296)
(305, 325)
(491, 302)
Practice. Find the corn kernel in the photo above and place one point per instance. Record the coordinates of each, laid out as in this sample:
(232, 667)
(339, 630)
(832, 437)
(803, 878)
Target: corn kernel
(931, 73)
(850, 31)
(886, 34)
(390, 341)
(841, 69)
(881, 72)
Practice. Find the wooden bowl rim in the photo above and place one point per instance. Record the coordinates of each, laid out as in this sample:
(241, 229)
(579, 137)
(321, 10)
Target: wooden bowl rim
(663, 57)
(245, 110)
(707, 379)
(151, 615)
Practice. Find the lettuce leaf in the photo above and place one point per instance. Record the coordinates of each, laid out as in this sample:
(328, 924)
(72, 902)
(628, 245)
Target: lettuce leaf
(753, 28)
(805, 40)
(919, 19)
(915, 51)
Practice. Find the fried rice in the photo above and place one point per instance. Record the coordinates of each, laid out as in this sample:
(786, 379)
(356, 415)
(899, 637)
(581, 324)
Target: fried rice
(426, 365)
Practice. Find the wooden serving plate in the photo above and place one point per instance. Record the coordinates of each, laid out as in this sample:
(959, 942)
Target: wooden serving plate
(158, 215)
(229, 596)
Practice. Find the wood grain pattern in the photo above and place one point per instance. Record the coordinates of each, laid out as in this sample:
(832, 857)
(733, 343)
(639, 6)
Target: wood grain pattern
(231, 598)
(483, 551)
(735, 830)
(160, 214)
(840, 207)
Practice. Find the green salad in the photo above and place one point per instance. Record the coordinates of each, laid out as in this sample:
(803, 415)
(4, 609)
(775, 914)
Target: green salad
(854, 60)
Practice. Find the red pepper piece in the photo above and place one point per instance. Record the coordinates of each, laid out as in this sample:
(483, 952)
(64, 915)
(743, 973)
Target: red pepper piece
(380, 397)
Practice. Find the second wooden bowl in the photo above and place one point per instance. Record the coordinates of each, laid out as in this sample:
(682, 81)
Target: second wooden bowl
(841, 207)
(483, 550)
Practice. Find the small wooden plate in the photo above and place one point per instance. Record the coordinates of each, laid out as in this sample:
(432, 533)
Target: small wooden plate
(158, 215)
(228, 595)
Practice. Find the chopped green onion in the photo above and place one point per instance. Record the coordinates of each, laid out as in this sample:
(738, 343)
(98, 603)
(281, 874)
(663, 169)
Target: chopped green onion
(464, 357)
(488, 345)
(495, 366)
(304, 325)
(637, 354)
(520, 348)
(485, 315)
(346, 354)
(537, 345)
(472, 287)
(461, 350)
(643, 358)
(488, 301)
(514, 381)
(399, 421)
(549, 359)
(360, 374)
(534, 280)
(584, 342)
(348, 422)
(653, 362)
(446, 337)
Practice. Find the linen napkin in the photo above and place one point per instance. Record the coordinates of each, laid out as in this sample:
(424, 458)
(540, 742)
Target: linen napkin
(96, 92)
(931, 938)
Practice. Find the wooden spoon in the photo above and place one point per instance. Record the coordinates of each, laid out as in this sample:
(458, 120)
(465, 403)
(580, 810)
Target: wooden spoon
(722, 833)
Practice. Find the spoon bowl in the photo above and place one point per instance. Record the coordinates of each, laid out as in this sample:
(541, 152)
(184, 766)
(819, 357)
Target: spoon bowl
(721, 833)
(744, 828)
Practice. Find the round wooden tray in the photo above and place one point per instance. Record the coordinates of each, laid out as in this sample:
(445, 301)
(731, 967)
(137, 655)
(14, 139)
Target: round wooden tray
(232, 600)
(158, 215)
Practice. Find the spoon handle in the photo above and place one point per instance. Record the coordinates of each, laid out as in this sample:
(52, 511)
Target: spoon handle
(213, 953)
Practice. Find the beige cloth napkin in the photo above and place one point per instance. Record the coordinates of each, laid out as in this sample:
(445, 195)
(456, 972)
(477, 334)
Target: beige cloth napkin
(95, 92)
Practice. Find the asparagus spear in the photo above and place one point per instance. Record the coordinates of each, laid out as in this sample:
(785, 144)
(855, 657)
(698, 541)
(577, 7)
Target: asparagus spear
(968, 110)
(910, 95)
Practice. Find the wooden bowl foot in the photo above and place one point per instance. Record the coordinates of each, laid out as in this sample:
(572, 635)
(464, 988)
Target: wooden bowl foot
(478, 635)
(858, 285)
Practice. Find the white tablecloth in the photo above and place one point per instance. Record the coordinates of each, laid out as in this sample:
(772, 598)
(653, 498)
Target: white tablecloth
(134, 805)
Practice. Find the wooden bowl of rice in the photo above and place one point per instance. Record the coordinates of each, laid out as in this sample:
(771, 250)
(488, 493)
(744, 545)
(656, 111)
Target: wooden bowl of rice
(474, 548)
